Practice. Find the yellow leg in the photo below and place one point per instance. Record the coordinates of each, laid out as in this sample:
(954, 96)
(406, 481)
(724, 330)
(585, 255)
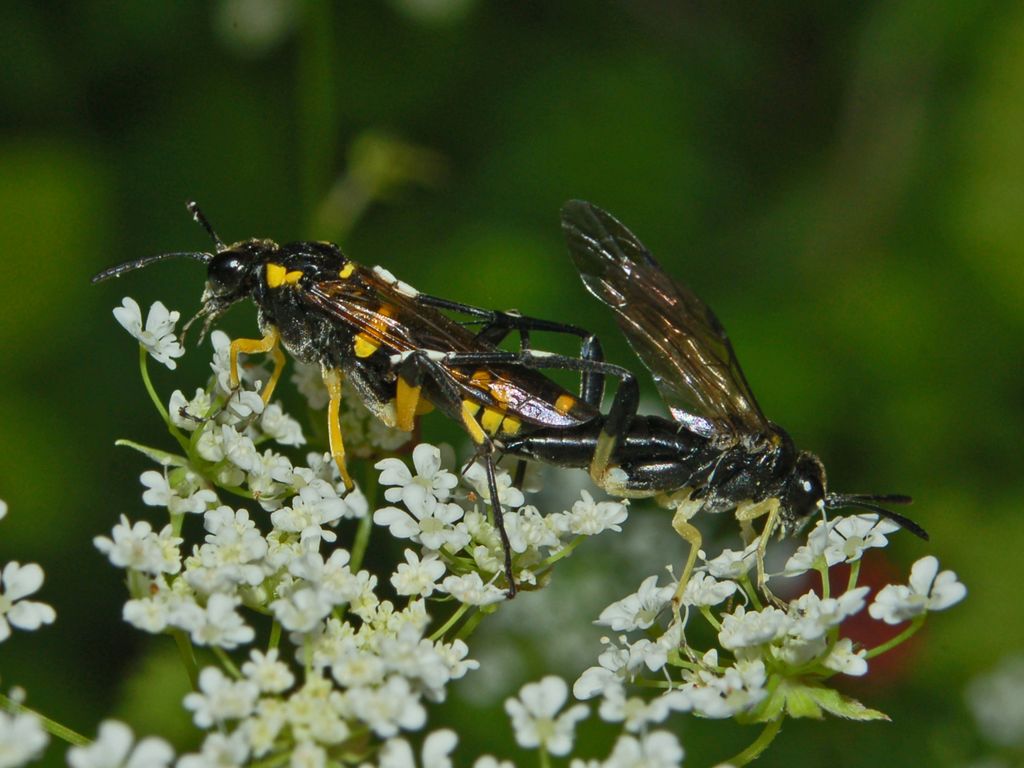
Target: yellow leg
(275, 375)
(476, 432)
(407, 405)
(332, 380)
(602, 457)
(681, 524)
(270, 343)
(746, 514)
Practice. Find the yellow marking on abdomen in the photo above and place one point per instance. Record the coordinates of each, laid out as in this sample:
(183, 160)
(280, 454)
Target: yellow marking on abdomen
(564, 403)
(364, 346)
(293, 277)
(510, 425)
(366, 343)
(275, 275)
(346, 272)
(491, 420)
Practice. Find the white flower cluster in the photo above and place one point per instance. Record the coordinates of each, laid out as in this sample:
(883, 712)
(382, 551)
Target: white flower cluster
(17, 582)
(22, 738)
(358, 670)
(369, 663)
(157, 337)
(770, 660)
(115, 747)
(463, 536)
(539, 722)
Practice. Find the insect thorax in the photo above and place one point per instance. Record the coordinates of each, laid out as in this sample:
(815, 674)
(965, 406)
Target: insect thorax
(309, 335)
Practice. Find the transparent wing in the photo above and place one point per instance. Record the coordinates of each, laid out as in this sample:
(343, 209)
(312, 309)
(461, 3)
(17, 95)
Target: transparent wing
(673, 332)
(397, 323)
(391, 319)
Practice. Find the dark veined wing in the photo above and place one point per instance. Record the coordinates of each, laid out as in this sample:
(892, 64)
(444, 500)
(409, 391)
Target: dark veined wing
(387, 313)
(674, 333)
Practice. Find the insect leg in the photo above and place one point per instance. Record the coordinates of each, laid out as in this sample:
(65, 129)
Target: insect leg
(271, 343)
(333, 379)
(620, 415)
(691, 535)
(411, 370)
(746, 513)
(498, 325)
(616, 425)
(499, 519)
(408, 392)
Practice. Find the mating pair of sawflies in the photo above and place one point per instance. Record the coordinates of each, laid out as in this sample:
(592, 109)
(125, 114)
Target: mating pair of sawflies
(404, 354)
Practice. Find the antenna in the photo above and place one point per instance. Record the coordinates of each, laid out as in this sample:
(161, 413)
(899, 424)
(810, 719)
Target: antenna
(838, 501)
(200, 217)
(130, 266)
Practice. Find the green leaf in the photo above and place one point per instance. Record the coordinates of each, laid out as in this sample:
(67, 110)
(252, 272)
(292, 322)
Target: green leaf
(813, 701)
(771, 708)
(801, 701)
(843, 706)
(163, 458)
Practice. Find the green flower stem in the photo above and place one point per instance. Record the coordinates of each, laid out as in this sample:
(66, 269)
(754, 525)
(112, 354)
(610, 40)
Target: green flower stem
(52, 727)
(748, 587)
(545, 758)
(759, 745)
(227, 662)
(362, 539)
(646, 682)
(188, 657)
(275, 635)
(705, 611)
(452, 620)
(138, 584)
(903, 636)
(562, 553)
(470, 626)
(144, 369)
(233, 489)
(826, 585)
(854, 574)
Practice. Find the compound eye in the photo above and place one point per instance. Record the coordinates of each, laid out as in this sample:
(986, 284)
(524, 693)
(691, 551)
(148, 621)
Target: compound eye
(812, 487)
(226, 273)
(806, 489)
(811, 493)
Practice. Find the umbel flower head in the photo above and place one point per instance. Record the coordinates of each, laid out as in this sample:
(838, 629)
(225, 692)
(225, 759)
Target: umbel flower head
(770, 661)
(355, 658)
(353, 663)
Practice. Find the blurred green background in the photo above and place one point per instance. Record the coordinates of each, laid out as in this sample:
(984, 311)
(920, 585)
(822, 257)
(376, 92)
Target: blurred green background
(843, 183)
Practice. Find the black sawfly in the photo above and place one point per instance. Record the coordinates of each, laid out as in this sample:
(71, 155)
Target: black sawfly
(397, 347)
(718, 452)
